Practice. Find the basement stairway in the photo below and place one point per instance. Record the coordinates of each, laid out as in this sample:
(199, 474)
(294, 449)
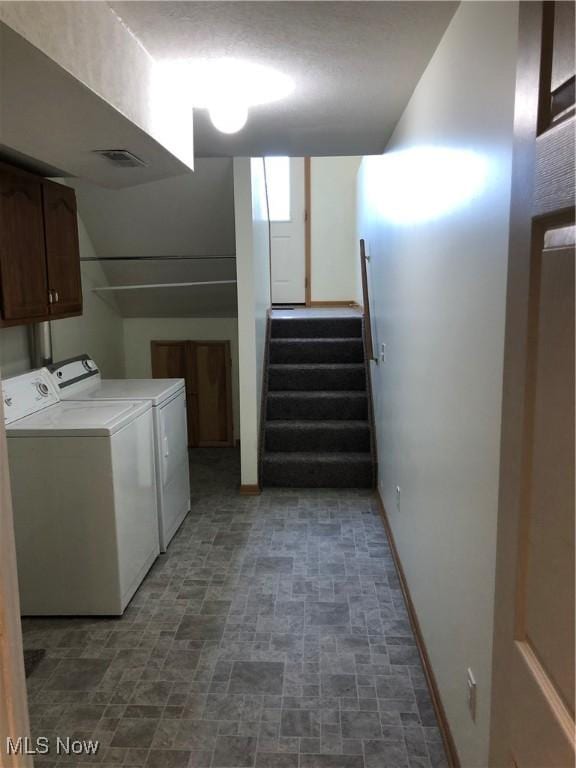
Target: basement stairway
(317, 430)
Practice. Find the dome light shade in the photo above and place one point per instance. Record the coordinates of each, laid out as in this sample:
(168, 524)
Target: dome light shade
(227, 88)
(228, 117)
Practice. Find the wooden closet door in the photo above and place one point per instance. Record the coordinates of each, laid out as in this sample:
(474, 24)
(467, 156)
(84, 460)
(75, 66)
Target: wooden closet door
(22, 256)
(206, 368)
(62, 249)
(212, 364)
(172, 360)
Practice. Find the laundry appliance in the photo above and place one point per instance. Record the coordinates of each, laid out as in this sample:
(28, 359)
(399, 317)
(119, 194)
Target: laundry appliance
(79, 379)
(84, 498)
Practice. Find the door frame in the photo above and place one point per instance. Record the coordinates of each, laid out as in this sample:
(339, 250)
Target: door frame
(307, 233)
(14, 719)
(308, 247)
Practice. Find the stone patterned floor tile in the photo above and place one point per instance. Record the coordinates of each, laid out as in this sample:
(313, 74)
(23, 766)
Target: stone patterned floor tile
(272, 634)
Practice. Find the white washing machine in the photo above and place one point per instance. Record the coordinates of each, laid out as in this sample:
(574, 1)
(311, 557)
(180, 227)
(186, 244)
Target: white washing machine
(84, 498)
(79, 379)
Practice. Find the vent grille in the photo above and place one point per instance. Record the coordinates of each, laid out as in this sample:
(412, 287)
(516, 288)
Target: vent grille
(121, 158)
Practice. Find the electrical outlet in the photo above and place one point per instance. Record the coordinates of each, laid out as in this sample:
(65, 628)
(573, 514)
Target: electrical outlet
(398, 492)
(471, 686)
(383, 353)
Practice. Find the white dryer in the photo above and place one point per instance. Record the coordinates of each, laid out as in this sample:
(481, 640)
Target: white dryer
(79, 379)
(84, 498)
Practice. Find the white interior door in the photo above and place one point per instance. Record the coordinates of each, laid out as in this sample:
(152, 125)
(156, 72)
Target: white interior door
(286, 200)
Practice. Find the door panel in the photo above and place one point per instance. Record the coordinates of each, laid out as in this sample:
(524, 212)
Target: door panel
(214, 388)
(206, 368)
(542, 675)
(533, 685)
(540, 735)
(62, 248)
(548, 591)
(22, 254)
(562, 78)
(171, 360)
(288, 257)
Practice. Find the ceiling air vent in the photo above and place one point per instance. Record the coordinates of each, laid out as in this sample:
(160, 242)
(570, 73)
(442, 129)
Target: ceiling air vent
(121, 158)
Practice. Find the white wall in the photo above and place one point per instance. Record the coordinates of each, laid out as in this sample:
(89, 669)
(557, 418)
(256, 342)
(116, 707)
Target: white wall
(14, 351)
(98, 332)
(253, 275)
(139, 332)
(182, 216)
(438, 280)
(333, 237)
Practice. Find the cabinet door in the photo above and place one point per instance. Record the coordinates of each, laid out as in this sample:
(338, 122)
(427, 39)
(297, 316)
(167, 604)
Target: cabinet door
(62, 249)
(23, 278)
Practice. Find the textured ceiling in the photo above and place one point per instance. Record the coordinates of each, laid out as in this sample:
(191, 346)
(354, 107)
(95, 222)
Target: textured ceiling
(354, 65)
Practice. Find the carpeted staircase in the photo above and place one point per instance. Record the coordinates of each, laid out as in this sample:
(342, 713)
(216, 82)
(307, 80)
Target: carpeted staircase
(317, 429)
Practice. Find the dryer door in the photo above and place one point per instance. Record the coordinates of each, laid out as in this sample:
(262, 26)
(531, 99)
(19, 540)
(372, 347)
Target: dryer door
(173, 436)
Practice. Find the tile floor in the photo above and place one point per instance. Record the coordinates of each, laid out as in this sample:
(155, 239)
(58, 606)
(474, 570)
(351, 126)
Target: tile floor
(272, 634)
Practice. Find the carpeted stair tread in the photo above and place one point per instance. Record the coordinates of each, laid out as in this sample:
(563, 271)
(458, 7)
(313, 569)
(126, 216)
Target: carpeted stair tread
(305, 350)
(319, 470)
(320, 436)
(316, 376)
(316, 431)
(346, 405)
(316, 327)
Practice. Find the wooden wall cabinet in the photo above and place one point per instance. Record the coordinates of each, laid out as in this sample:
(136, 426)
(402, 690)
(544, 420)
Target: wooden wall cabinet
(62, 249)
(39, 249)
(206, 368)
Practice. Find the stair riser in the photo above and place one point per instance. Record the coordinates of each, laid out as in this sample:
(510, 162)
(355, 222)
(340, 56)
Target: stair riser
(317, 439)
(314, 475)
(342, 327)
(305, 380)
(348, 408)
(339, 351)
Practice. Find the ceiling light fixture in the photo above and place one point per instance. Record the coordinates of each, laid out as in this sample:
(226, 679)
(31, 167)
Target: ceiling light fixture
(228, 87)
(228, 117)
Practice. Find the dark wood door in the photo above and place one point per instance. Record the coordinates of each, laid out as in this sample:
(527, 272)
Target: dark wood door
(206, 368)
(22, 257)
(172, 360)
(62, 249)
(213, 392)
(533, 683)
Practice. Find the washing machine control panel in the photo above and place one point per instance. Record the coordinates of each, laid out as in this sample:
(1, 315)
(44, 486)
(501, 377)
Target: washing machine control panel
(27, 394)
(75, 373)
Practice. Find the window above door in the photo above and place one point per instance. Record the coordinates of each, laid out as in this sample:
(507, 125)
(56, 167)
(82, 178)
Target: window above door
(278, 186)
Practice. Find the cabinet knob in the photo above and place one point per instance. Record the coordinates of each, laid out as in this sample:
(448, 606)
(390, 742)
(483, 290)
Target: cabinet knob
(52, 296)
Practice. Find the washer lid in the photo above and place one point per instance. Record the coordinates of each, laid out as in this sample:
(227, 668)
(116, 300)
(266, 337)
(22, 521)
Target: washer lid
(77, 419)
(156, 390)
